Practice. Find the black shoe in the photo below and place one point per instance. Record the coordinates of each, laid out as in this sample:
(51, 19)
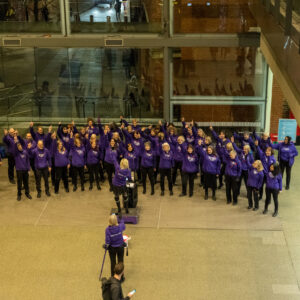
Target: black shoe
(82, 188)
(39, 195)
(126, 210)
(191, 195)
(98, 187)
(28, 196)
(144, 191)
(162, 193)
(171, 193)
(249, 207)
(260, 197)
(152, 193)
(90, 188)
(287, 187)
(206, 197)
(74, 188)
(67, 190)
(220, 186)
(12, 181)
(234, 203)
(255, 208)
(19, 198)
(200, 184)
(265, 211)
(214, 198)
(182, 195)
(228, 202)
(48, 194)
(55, 192)
(275, 214)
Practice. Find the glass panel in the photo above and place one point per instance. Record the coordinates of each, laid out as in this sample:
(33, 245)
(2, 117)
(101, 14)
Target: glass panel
(202, 16)
(234, 72)
(80, 83)
(102, 16)
(218, 113)
(30, 16)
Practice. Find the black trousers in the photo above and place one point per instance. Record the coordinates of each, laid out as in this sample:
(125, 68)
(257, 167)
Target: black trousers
(11, 166)
(22, 179)
(118, 191)
(244, 176)
(285, 165)
(101, 171)
(188, 177)
(93, 173)
(222, 173)
(150, 173)
(231, 188)
(76, 171)
(163, 174)
(261, 190)
(114, 253)
(39, 174)
(53, 171)
(253, 193)
(156, 168)
(210, 181)
(61, 173)
(138, 171)
(31, 160)
(274, 193)
(177, 166)
(110, 169)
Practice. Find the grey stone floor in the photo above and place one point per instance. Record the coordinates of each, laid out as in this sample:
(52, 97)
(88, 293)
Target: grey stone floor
(182, 248)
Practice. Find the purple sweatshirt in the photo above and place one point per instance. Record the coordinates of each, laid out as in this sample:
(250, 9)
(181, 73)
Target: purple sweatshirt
(274, 182)
(243, 157)
(132, 159)
(190, 162)
(221, 146)
(36, 136)
(255, 178)
(21, 159)
(77, 154)
(266, 161)
(166, 160)
(114, 235)
(148, 159)
(61, 159)
(93, 156)
(211, 163)
(178, 155)
(10, 143)
(286, 152)
(121, 175)
(263, 144)
(42, 158)
(233, 167)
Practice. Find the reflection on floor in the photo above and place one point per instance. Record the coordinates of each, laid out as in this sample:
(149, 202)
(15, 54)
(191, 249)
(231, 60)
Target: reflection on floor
(182, 248)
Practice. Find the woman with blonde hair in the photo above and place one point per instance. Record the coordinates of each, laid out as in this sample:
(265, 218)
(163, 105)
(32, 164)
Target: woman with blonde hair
(114, 242)
(122, 175)
(254, 182)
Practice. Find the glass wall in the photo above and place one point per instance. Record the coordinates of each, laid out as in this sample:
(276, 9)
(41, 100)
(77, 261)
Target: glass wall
(30, 16)
(52, 84)
(203, 16)
(223, 72)
(100, 16)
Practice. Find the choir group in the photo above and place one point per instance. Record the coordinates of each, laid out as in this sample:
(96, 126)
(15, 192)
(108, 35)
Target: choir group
(129, 151)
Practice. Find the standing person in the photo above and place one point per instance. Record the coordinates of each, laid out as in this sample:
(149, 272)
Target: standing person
(21, 158)
(190, 168)
(78, 155)
(118, 10)
(178, 157)
(42, 163)
(122, 175)
(211, 167)
(39, 134)
(133, 159)
(274, 187)
(61, 164)
(254, 182)
(27, 143)
(148, 164)
(286, 156)
(93, 163)
(165, 167)
(115, 284)
(8, 139)
(232, 177)
(114, 240)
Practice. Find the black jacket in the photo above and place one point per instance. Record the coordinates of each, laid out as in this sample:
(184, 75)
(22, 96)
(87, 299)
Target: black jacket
(116, 290)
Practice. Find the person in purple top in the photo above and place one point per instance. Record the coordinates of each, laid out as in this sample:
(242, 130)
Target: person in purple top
(244, 140)
(286, 155)
(274, 187)
(254, 182)
(122, 175)
(22, 168)
(93, 162)
(61, 164)
(190, 168)
(264, 140)
(178, 157)
(8, 139)
(91, 128)
(148, 165)
(166, 164)
(232, 177)
(188, 132)
(42, 162)
(133, 159)
(114, 240)
(39, 134)
(211, 167)
(205, 144)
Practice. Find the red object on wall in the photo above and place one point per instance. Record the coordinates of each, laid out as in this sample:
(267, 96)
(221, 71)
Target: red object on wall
(298, 128)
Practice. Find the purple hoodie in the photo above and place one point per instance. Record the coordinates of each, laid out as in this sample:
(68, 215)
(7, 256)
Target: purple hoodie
(266, 161)
(190, 162)
(148, 159)
(166, 159)
(274, 182)
(77, 154)
(243, 157)
(132, 159)
(121, 175)
(255, 178)
(42, 157)
(114, 235)
(233, 167)
(178, 154)
(211, 163)
(61, 159)
(286, 152)
(10, 143)
(21, 159)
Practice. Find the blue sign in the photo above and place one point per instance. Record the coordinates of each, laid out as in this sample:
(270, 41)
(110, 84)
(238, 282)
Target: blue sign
(287, 127)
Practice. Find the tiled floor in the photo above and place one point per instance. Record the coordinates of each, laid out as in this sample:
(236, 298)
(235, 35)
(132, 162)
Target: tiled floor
(182, 248)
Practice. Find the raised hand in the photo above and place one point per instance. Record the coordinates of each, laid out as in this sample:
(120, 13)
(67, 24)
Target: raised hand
(232, 139)
(50, 129)
(5, 132)
(31, 124)
(182, 119)
(199, 142)
(211, 128)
